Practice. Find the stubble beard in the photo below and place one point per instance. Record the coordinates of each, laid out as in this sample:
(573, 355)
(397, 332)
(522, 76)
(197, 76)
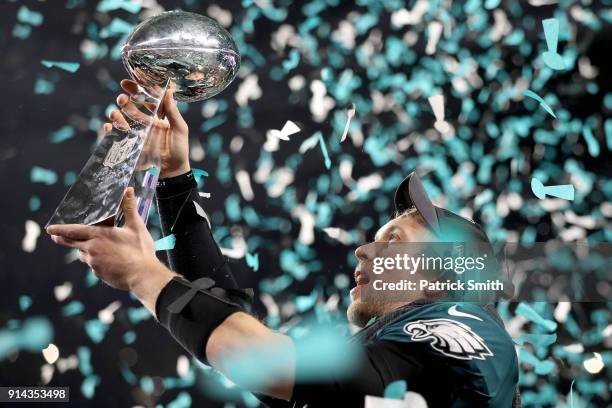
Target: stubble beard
(359, 313)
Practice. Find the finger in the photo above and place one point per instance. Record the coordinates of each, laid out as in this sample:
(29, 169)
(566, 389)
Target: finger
(107, 127)
(70, 243)
(170, 109)
(119, 120)
(83, 256)
(74, 231)
(129, 109)
(129, 205)
(129, 86)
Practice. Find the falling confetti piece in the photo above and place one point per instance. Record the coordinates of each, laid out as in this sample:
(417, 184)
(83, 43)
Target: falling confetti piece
(198, 174)
(25, 15)
(51, 353)
(538, 98)
(395, 390)
(564, 191)
(595, 364)
(551, 32)
(253, 261)
(32, 232)
(324, 151)
(437, 105)
(165, 243)
(350, 113)
(66, 66)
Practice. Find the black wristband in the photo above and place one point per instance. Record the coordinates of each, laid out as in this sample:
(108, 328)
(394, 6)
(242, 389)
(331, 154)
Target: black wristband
(171, 186)
(191, 311)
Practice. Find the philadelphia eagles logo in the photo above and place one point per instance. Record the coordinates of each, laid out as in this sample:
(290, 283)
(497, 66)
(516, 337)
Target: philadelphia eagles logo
(449, 337)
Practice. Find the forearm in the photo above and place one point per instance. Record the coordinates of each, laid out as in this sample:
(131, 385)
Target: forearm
(240, 335)
(195, 253)
(147, 286)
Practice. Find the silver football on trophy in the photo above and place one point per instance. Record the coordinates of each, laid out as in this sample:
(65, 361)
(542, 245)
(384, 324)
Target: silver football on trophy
(193, 51)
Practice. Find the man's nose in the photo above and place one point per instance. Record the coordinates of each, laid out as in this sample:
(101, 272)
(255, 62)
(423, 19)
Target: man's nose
(364, 252)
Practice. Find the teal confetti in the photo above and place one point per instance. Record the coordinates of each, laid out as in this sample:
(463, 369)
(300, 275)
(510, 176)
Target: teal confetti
(25, 15)
(34, 334)
(292, 61)
(324, 151)
(396, 390)
(42, 175)
(252, 261)
(165, 243)
(21, 31)
(62, 134)
(34, 203)
(526, 311)
(24, 302)
(540, 367)
(66, 66)
(551, 32)
(538, 98)
(73, 308)
(127, 5)
(96, 330)
(88, 387)
(198, 174)
(154, 171)
(116, 28)
(183, 400)
(147, 385)
(129, 337)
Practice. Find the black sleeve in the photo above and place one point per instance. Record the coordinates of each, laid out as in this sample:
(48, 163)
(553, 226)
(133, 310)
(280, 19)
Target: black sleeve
(383, 363)
(195, 253)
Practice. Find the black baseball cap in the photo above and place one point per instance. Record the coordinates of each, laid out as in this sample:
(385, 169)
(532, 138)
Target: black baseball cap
(411, 194)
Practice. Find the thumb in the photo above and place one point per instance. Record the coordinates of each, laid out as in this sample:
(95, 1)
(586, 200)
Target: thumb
(171, 110)
(129, 205)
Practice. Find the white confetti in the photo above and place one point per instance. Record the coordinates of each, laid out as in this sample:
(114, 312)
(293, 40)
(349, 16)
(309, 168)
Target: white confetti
(46, 373)
(307, 221)
(595, 364)
(404, 17)
(248, 89)
(574, 348)
(196, 153)
(182, 366)
(236, 144)
(200, 211)
(281, 177)
(244, 183)
(107, 315)
(224, 17)
(339, 235)
(62, 292)
(434, 30)
(320, 103)
(350, 112)
(274, 135)
(51, 353)
(238, 249)
(561, 311)
(437, 105)
(32, 232)
(69, 363)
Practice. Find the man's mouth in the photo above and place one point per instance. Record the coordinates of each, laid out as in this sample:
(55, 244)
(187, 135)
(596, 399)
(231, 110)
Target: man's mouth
(361, 278)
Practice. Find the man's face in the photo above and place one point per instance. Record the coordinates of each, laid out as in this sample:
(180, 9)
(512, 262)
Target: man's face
(409, 227)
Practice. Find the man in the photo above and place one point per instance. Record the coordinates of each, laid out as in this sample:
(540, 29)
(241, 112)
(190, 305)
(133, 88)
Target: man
(453, 354)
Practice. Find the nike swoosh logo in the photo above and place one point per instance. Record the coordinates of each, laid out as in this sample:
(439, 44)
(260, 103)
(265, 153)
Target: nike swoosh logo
(454, 312)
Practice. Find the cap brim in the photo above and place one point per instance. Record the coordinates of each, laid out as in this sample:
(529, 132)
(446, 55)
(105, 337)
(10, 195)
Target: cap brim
(411, 194)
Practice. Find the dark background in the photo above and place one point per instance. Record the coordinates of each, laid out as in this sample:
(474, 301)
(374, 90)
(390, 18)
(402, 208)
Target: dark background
(80, 99)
